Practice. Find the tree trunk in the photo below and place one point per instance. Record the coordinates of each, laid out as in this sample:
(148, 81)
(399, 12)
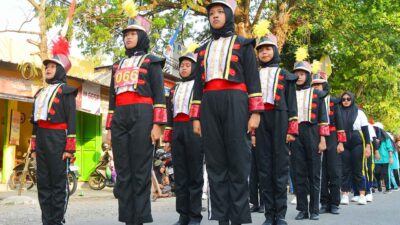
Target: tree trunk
(43, 38)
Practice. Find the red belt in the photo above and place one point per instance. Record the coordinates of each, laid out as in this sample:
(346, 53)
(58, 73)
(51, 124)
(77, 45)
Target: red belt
(219, 84)
(53, 126)
(268, 106)
(130, 98)
(332, 128)
(181, 117)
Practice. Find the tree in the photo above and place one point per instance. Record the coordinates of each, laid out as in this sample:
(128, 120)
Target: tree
(361, 37)
(40, 10)
(98, 24)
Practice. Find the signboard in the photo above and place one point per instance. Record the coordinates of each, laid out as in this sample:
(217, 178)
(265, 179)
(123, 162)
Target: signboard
(88, 99)
(15, 127)
(10, 86)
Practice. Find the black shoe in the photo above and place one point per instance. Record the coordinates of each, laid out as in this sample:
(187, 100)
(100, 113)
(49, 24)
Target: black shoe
(194, 223)
(314, 216)
(280, 222)
(268, 222)
(180, 223)
(254, 208)
(223, 222)
(334, 210)
(324, 209)
(262, 209)
(301, 216)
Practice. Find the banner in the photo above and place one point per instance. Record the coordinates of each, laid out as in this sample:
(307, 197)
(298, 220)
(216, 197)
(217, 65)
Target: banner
(15, 127)
(170, 47)
(88, 99)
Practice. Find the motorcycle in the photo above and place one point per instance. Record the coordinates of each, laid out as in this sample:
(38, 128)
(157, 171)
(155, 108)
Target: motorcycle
(14, 182)
(102, 175)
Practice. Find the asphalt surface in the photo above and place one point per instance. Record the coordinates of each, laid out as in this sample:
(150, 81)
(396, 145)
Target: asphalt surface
(89, 207)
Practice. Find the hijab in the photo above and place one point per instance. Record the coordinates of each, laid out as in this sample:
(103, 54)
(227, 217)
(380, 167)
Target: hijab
(59, 77)
(274, 62)
(307, 83)
(349, 114)
(142, 45)
(229, 27)
(192, 72)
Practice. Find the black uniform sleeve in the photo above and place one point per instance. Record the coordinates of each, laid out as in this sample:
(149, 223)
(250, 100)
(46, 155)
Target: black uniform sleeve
(291, 101)
(197, 92)
(170, 108)
(167, 136)
(252, 77)
(323, 120)
(111, 100)
(158, 93)
(70, 114)
(341, 134)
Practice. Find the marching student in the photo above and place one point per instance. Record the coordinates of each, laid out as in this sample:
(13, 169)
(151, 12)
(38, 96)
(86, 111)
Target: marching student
(187, 153)
(331, 164)
(308, 147)
(225, 110)
(136, 111)
(277, 128)
(53, 139)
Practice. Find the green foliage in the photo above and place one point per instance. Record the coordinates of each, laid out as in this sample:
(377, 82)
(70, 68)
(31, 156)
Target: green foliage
(361, 37)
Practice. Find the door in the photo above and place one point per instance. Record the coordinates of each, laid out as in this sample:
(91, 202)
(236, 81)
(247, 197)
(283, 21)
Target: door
(88, 143)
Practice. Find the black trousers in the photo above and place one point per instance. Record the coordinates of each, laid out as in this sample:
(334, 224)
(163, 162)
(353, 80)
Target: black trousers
(254, 181)
(224, 116)
(52, 182)
(188, 156)
(381, 171)
(273, 162)
(133, 156)
(331, 173)
(292, 166)
(352, 165)
(308, 167)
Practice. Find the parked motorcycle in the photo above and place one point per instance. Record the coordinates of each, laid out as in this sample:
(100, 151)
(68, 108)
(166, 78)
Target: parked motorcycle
(14, 181)
(102, 175)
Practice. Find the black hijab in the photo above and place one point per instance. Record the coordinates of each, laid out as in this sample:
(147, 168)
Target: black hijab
(59, 77)
(229, 27)
(349, 114)
(274, 62)
(142, 46)
(307, 83)
(192, 72)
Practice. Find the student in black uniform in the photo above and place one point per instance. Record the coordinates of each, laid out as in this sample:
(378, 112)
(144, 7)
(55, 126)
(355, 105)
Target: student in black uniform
(308, 147)
(226, 93)
(53, 137)
(278, 127)
(136, 111)
(331, 162)
(187, 153)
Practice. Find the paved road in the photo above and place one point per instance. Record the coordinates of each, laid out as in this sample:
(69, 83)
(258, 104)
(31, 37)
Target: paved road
(100, 208)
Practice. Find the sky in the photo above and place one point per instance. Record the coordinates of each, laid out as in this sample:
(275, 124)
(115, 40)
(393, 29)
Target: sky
(14, 12)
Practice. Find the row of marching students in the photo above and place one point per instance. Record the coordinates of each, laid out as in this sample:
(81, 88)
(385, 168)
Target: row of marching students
(226, 101)
(222, 100)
